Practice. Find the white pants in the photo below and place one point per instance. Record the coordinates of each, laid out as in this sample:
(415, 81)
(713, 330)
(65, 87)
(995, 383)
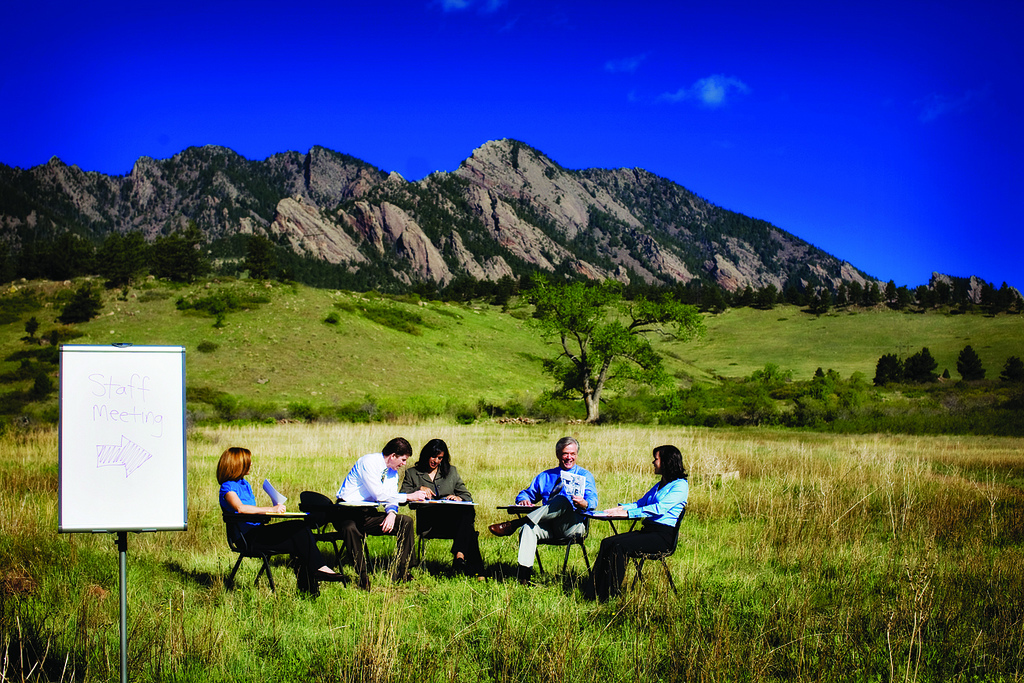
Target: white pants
(557, 519)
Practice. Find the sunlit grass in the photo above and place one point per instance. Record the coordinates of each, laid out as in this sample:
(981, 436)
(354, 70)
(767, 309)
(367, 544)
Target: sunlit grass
(830, 558)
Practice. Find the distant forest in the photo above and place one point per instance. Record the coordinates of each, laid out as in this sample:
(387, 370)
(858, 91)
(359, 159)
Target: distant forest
(184, 256)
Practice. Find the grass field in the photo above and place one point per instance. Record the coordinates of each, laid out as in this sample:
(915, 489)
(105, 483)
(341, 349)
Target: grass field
(831, 558)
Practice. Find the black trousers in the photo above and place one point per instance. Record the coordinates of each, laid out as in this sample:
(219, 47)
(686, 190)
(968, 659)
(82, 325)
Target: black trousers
(357, 523)
(610, 566)
(292, 537)
(457, 523)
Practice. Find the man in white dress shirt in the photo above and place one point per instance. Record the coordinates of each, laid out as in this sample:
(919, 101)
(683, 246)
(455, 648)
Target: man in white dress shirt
(374, 479)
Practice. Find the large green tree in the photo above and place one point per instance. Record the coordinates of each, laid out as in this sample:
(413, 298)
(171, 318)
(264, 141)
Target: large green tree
(603, 338)
(259, 258)
(179, 256)
(122, 258)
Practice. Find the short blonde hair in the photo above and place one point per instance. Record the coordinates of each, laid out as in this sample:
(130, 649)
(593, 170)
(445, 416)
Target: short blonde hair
(234, 464)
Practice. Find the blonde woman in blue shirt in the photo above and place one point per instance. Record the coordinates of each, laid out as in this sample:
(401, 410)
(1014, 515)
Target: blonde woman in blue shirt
(659, 509)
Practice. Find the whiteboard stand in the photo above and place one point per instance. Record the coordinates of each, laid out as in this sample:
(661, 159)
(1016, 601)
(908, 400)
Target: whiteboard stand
(122, 447)
(122, 557)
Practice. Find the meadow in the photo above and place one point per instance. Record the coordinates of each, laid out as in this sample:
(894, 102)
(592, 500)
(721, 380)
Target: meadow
(867, 558)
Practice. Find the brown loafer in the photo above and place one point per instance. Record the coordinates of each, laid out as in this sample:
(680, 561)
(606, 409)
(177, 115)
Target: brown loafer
(505, 528)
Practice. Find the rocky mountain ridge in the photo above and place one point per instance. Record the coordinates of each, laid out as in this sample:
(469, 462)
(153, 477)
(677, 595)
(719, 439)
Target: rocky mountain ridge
(507, 210)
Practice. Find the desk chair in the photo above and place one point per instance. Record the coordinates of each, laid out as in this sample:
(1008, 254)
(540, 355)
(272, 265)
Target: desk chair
(568, 542)
(240, 546)
(427, 530)
(640, 558)
(318, 507)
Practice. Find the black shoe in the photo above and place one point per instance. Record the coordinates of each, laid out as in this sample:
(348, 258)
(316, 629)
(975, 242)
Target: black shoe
(459, 565)
(330, 577)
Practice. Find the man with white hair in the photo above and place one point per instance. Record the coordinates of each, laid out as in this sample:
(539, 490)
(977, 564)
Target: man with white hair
(558, 495)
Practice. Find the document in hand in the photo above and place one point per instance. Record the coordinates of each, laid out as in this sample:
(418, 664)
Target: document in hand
(574, 484)
(275, 497)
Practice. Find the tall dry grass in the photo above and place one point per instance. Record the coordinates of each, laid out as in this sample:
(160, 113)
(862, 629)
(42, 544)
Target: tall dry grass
(829, 558)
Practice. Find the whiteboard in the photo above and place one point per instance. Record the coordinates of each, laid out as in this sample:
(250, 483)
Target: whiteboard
(122, 439)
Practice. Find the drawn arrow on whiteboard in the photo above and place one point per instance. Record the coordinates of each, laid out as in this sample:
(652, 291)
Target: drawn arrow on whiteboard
(129, 454)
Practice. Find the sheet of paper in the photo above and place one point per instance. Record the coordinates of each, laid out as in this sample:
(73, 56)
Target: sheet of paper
(275, 497)
(574, 484)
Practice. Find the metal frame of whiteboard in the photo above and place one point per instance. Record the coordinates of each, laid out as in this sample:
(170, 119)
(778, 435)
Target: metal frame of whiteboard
(122, 455)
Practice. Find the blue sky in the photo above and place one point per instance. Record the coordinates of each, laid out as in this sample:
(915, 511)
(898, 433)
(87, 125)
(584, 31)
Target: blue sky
(886, 133)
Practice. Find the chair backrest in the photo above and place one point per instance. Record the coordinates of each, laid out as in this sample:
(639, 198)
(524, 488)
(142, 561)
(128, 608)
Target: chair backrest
(316, 505)
(679, 522)
(236, 539)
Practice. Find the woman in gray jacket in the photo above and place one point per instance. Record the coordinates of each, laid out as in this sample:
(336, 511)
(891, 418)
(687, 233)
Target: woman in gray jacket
(434, 473)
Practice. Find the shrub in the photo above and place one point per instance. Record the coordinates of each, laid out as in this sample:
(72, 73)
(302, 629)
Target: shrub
(84, 305)
(332, 318)
(207, 347)
(303, 410)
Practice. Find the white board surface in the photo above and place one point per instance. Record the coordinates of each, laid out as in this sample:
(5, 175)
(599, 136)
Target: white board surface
(122, 439)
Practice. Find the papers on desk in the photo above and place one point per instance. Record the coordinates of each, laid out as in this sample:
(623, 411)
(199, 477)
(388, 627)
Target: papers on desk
(275, 497)
(441, 501)
(358, 503)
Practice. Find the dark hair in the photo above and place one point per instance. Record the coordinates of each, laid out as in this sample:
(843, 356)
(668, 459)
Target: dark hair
(397, 446)
(432, 448)
(672, 466)
(234, 464)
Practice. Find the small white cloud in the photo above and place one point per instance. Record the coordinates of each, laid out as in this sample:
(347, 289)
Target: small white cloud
(626, 65)
(936, 105)
(485, 6)
(713, 91)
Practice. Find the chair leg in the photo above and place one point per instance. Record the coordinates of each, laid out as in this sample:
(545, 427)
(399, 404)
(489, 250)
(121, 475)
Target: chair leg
(230, 583)
(639, 572)
(417, 559)
(586, 560)
(668, 575)
(540, 567)
(270, 576)
(565, 564)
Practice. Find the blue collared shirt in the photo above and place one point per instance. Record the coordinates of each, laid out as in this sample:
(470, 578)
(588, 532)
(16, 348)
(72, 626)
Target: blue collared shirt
(542, 485)
(662, 505)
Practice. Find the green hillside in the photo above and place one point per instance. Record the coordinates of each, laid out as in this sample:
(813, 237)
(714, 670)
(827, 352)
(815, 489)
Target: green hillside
(742, 340)
(426, 357)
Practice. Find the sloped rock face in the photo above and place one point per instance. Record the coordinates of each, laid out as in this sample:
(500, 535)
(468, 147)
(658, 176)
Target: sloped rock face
(309, 231)
(386, 228)
(507, 210)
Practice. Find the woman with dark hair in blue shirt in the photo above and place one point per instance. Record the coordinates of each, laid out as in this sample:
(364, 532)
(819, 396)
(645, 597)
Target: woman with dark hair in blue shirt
(292, 537)
(659, 509)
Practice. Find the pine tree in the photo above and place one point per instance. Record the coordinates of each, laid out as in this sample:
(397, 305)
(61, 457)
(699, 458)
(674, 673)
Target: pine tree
(921, 367)
(968, 364)
(888, 369)
(1013, 370)
(84, 305)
